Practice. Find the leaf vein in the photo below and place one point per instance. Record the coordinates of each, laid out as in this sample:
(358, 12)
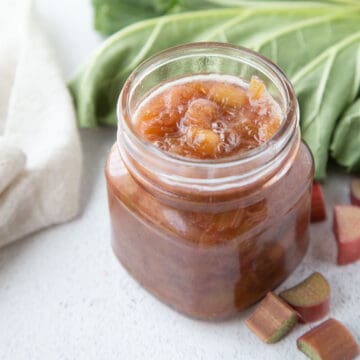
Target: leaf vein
(320, 92)
(348, 40)
(229, 23)
(356, 83)
(298, 26)
(146, 47)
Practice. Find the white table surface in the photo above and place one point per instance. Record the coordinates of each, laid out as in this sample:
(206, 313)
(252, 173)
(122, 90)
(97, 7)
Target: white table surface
(64, 296)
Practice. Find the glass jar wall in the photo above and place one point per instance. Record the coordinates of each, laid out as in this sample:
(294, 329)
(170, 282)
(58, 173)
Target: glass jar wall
(211, 237)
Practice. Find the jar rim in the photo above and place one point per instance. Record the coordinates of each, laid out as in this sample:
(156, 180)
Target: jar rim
(243, 160)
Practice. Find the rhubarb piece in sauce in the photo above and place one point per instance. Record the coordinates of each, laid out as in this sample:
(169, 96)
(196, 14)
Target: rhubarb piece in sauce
(318, 207)
(347, 232)
(331, 340)
(272, 319)
(310, 298)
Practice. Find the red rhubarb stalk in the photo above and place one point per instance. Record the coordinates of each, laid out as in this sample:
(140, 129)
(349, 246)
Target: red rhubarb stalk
(310, 298)
(347, 233)
(272, 319)
(331, 340)
(318, 207)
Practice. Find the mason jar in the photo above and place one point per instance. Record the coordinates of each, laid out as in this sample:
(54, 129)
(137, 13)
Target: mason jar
(209, 238)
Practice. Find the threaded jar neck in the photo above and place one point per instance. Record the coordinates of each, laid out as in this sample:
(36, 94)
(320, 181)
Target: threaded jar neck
(170, 176)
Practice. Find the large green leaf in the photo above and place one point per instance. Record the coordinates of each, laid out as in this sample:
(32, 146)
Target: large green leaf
(113, 15)
(316, 44)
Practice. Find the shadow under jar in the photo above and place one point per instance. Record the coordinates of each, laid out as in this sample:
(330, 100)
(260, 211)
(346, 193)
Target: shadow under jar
(209, 237)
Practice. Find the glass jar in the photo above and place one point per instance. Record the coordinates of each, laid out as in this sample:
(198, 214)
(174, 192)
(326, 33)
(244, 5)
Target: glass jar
(209, 237)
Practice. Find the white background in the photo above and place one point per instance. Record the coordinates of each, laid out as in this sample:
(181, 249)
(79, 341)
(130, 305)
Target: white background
(64, 296)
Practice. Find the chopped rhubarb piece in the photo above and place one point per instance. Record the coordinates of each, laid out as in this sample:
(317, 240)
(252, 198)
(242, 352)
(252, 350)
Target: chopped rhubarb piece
(256, 88)
(310, 298)
(201, 113)
(355, 192)
(204, 140)
(347, 232)
(331, 340)
(228, 95)
(318, 208)
(272, 319)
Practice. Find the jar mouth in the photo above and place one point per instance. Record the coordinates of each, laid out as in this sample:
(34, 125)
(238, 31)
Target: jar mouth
(151, 64)
(151, 165)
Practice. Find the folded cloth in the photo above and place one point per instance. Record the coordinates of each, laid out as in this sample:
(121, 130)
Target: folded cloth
(40, 153)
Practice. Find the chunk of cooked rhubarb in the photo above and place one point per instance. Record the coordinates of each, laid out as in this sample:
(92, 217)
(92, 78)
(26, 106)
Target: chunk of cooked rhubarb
(256, 88)
(201, 113)
(310, 298)
(272, 319)
(226, 94)
(331, 340)
(355, 192)
(205, 141)
(318, 208)
(347, 232)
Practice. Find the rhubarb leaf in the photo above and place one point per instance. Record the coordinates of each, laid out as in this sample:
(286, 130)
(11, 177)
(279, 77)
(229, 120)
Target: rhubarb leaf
(315, 43)
(112, 15)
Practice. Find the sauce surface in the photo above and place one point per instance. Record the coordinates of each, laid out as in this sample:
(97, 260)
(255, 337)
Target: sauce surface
(208, 116)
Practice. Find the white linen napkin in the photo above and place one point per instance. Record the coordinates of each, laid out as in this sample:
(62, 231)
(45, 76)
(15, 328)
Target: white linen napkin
(40, 153)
